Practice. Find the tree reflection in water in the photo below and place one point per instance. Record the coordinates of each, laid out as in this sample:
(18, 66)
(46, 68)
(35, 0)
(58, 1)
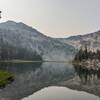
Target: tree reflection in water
(88, 77)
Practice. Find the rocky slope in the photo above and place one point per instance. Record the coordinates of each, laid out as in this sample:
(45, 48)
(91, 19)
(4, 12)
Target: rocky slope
(92, 40)
(20, 39)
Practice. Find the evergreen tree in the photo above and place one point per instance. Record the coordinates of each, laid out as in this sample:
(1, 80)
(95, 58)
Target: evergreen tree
(84, 54)
(98, 54)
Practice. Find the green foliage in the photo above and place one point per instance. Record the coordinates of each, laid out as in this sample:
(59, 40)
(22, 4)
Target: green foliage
(8, 52)
(98, 54)
(5, 78)
(85, 54)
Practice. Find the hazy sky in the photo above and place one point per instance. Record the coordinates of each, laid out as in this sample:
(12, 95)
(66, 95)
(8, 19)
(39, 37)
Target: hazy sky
(56, 18)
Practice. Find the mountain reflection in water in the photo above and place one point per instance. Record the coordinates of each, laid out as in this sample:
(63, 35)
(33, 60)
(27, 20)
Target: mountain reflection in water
(31, 77)
(60, 93)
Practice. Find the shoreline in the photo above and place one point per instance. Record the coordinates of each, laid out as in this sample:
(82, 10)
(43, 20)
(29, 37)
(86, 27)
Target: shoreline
(5, 78)
(88, 64)
(29, 61)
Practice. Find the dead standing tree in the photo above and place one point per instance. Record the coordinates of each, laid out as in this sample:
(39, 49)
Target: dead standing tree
(0, 14)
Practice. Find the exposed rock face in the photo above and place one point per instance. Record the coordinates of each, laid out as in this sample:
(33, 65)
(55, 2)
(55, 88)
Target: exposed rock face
(24, 38)
(92, 40)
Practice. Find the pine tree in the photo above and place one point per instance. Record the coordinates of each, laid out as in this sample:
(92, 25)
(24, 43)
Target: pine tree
(98, 54)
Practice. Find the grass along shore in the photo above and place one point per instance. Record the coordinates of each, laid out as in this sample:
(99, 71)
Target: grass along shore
(5, 78)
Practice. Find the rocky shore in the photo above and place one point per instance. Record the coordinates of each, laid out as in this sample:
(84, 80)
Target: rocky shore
(90, 64)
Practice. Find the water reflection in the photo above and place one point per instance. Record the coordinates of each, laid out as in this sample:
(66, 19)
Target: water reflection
(32, 77)
(60, 93)
(88, 77)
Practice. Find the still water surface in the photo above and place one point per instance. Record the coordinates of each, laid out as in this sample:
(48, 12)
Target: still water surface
(60, 93)
(31, 80)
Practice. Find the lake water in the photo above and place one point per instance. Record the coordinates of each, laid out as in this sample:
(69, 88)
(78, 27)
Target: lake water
(31, 80)
(60, 93)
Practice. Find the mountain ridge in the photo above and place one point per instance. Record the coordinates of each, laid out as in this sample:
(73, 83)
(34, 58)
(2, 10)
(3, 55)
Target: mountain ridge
(21, 36)
(92, 40)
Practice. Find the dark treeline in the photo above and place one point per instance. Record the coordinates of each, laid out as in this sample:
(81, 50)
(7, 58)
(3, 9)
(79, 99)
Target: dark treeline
(8, 52)
(87, 76)
(85, 53)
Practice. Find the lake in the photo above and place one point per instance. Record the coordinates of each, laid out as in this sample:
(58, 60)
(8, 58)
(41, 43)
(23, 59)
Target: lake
(50, 80)
(60, 93)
